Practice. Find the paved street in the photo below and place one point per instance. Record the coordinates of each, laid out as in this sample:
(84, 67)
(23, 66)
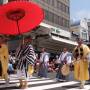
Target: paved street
(35, 83)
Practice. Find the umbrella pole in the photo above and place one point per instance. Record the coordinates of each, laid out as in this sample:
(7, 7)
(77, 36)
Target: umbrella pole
(18, 27)
(19, 31)
(23, 39)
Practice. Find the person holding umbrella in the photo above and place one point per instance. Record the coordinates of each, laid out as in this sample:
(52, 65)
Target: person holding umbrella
(25, 59)
(21, 18)
(4, 59)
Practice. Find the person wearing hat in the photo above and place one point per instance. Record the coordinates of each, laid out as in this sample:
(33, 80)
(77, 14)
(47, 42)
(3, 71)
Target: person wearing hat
(81, 62)
(25, 61)
(4, 59)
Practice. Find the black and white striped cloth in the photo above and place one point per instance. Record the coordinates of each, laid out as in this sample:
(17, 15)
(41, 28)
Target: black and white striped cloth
(25, 56)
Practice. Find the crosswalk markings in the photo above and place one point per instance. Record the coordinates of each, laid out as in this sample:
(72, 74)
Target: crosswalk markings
(35, 83)
(86, 87)
(31, 81)
(52, 86)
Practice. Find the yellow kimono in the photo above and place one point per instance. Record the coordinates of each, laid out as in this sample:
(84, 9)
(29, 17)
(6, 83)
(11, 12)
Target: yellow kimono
(81, 66)
(4, 60)
(30, 69)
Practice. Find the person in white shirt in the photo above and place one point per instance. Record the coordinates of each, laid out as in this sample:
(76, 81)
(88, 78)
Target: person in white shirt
(64, 58)
(43, 67)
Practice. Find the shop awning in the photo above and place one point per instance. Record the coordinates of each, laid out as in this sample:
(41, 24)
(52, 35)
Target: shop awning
(64, 40)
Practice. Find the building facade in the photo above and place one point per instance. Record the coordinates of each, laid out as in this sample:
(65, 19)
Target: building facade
(88, 23)
(57, 12)
(56, 23)
(80, 29)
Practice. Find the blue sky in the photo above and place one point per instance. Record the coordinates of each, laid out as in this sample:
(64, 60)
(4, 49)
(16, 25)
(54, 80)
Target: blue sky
(79, 9)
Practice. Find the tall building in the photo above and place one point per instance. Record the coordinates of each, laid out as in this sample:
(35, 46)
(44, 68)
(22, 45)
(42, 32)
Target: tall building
(57, 12)
(56, 23)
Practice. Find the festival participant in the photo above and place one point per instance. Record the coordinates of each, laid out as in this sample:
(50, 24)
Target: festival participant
(80, 54)
(4, 59)
(64, 60)
(43, 66)
(25, 61)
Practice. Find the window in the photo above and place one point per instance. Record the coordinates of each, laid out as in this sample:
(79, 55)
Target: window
(50, 16)
(60, 21)
(62, 7)
(68, 25)
(1, 1)
(46, 14)
(48, 1)
(84, 35)
(56, 19)
(35, 0)
(67, 9)
(53, 2)
(59, 5)
(65, 23)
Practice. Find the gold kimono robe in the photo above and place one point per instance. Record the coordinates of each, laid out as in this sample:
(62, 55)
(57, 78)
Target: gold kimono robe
(81, 66)
(4, 60)
(30, 69)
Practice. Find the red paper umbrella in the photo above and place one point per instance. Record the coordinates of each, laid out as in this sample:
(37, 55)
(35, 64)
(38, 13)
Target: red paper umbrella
(19, 17)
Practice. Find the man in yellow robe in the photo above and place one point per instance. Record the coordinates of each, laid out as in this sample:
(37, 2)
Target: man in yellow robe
(81, 63)
(3, 59)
